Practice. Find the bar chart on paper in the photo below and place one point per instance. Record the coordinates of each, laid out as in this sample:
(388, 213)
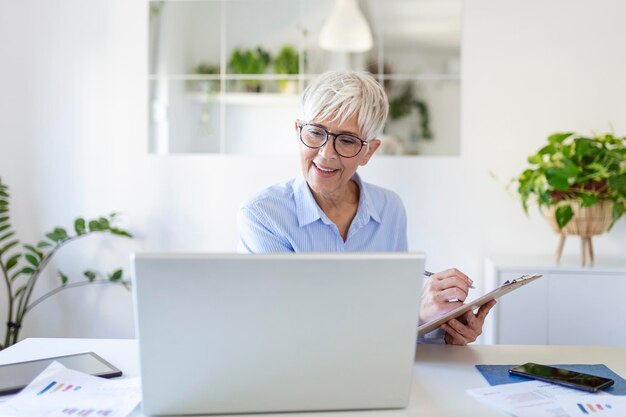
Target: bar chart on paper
(84, 412)
(594, 405)
(588, 408)
(55, 386)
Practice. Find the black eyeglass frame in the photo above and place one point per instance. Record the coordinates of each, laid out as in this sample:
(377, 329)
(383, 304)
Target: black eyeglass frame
(328, 134)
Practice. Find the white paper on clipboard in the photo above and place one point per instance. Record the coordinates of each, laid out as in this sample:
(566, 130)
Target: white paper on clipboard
(505, 288)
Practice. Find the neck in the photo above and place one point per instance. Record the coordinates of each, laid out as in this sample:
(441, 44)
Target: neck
(340, 200)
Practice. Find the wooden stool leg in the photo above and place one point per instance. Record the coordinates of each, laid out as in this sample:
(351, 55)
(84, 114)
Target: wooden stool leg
(583, 252)
(590, 249)
(559, 249)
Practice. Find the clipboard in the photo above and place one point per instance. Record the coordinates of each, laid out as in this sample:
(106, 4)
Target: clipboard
(507, 287)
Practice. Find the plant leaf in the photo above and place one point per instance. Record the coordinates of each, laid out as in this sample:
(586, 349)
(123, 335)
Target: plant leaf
(618, 183)
(570, 169)
(7, 235)
(32, 260)
(64, 279)
(19, 291)
(60, 232)
(547, 150)
(13, 261)
(94, 226)
(44, 244)
(120, 232)
(8, 246)
(79, 226)
(4, 227)
(27, 271)
(104, 223)
(559, 137)
(618, 210)
(54, 237)
(91, 276)
(116, 276)
(588, 200)
(563, 214)
(556, 179)
(31, 248)
(16, 275)
(4, 219)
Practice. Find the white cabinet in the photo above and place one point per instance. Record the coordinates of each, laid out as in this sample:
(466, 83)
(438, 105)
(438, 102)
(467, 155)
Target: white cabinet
(570, 305)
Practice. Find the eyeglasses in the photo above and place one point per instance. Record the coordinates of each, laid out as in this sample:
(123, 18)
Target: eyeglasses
(313, 136)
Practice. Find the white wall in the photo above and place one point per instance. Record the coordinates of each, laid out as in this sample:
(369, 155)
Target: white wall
(73, 130)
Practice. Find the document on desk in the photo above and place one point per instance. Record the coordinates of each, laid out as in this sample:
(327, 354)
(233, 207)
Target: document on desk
(62, 392)
(532, 399)
(583, 405)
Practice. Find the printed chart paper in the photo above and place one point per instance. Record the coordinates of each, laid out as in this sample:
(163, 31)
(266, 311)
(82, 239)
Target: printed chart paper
(584, 406)
(62, 392)
(531, 399)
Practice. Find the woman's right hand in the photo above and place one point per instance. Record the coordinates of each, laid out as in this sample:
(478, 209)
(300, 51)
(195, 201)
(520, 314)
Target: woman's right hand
(445, 291)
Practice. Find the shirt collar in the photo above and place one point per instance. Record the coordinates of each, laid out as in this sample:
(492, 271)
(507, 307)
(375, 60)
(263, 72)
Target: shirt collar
(308, 211)
(366, 208)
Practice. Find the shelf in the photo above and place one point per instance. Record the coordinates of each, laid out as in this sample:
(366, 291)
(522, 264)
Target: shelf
(247, 98)
(260, 98)
(296, 77)
(217, 112)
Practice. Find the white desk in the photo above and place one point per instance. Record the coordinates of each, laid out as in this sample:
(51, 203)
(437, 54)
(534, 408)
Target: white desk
(441, 373)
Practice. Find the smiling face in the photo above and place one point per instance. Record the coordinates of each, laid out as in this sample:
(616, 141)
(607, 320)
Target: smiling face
(327, 173)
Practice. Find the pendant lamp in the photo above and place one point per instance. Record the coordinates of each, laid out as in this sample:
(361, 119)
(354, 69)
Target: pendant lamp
(346, 29)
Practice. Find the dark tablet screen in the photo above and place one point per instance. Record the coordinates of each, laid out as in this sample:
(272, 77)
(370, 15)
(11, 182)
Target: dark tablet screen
(15, 376)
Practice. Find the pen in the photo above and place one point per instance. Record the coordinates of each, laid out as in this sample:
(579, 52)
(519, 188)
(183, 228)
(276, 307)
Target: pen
(428, 273)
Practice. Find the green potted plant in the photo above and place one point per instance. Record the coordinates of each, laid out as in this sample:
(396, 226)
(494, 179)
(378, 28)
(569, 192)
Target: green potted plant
(403, 105)
(21, 267)
(250, 61)
(287, 62)
(579, 182)
(206, 86)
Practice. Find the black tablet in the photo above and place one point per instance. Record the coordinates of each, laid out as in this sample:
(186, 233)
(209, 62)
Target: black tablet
(15, 376)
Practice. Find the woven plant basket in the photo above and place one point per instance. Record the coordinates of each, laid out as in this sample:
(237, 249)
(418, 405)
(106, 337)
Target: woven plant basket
(587, 221)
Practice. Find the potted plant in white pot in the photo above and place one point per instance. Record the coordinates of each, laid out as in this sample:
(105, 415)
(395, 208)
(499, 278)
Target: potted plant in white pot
(579, 182)
(250, 62)
(287, 62)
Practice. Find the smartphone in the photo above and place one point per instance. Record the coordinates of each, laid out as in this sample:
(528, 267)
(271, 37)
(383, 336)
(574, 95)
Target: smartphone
(570, 379)
(15, 376)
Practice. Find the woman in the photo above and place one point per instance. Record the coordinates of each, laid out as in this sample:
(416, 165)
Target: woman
(328, 208)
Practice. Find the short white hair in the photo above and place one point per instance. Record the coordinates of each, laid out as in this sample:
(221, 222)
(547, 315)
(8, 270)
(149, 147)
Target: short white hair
(338, 95)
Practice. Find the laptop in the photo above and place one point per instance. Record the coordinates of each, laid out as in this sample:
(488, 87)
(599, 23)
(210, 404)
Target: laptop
(234, 333)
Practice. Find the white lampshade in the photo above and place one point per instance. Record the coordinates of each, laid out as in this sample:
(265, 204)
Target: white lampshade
(346, 29)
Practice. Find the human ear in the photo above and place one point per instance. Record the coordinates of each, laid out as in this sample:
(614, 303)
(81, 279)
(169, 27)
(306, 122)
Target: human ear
(372, 146)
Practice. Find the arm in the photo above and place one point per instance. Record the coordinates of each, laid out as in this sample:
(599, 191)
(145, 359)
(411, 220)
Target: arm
(446, 291)
(255, 235)
(443, 292)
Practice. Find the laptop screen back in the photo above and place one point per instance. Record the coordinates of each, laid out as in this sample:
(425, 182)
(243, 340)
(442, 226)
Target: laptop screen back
(269, 333)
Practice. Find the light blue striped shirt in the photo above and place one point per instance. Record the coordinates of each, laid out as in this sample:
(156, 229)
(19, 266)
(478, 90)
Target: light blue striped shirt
(286, 218)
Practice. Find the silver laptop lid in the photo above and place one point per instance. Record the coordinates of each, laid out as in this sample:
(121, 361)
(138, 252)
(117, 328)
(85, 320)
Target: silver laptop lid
(282, 332)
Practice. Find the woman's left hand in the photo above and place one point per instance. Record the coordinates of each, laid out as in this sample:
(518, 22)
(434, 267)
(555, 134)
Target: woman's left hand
(468, 327)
